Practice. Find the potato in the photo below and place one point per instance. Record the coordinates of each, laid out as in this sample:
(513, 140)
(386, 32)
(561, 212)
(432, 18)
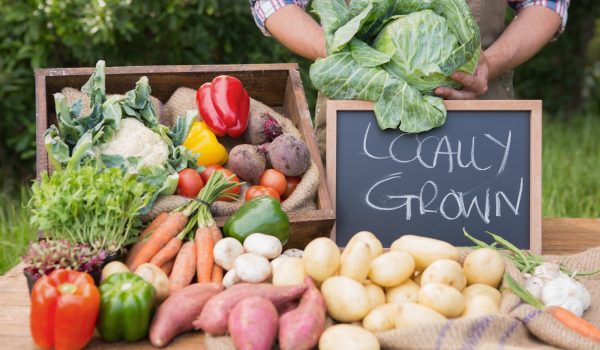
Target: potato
(407, 292)
(425, 250)
(321, 259)
(391, 268)
(370, 238)
(289, 272)
(157, 278)
(480, 305)
(346, 299)
(261, 244)
(348, 337)
(485, 266)
(413, 314)
(226, 251)
(375, 293)
(112, 268)
(381, 318)
(482, 289)
(445, 271)
(355, 261)
(442, 298)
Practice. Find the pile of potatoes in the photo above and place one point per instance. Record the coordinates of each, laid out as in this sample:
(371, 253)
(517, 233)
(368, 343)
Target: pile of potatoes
(418, 281)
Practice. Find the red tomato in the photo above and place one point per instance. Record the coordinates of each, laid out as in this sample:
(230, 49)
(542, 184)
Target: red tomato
(209, 169)
(292, 183)
(256, 191)
(190, 183)
(274, 179)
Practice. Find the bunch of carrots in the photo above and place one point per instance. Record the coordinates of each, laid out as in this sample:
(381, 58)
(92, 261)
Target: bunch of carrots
(162, 242)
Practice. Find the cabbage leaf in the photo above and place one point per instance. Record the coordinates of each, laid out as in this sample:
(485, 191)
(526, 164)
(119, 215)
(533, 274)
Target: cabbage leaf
(395, 53)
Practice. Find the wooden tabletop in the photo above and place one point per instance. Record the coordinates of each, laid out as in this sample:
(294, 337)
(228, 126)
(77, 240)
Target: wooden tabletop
(559, 236)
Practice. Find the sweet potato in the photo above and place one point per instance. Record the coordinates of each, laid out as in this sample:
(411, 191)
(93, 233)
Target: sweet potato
(300, 329)
(213, 318)
(176, 314)
(289, 155)
(247, 162)
(253, 324)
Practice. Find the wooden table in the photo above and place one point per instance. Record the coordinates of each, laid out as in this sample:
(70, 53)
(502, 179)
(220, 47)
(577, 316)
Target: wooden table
(559, 236)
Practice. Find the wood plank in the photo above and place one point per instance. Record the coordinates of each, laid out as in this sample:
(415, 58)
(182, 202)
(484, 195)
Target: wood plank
(569, 236)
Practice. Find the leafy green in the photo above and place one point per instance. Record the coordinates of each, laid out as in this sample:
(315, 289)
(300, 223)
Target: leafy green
(94, 205)
(395, 53)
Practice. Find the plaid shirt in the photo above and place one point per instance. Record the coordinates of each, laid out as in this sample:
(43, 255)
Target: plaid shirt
(262, 9)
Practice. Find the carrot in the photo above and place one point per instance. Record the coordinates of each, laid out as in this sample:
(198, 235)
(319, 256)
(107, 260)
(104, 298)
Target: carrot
(168, 267)
(217, 272)
(169, 251)
(135, 250)
(575, 323)
(183, 269)
(173, 224)
(204, 254)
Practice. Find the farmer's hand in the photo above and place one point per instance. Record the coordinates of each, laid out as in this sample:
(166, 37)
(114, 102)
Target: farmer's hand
(474, 85)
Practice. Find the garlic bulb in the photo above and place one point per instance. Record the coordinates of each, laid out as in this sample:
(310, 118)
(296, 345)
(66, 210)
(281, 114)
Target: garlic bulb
(555, 288)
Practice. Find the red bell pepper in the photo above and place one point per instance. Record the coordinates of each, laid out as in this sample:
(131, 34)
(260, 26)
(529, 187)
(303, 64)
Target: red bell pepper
(224, 105)
(64, 309)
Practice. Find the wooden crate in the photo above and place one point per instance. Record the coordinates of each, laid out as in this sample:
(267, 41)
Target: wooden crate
(277, 85)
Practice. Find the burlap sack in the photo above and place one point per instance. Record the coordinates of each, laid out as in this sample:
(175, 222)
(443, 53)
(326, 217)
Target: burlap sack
(303, 197)
(519, 326)
(72, 95)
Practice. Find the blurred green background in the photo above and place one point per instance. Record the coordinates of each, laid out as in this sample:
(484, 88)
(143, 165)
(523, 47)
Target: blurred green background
(74, 33)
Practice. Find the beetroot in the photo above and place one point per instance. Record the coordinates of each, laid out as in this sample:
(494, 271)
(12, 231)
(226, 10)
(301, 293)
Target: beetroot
(301, 328)
(253, 324)
(262, 129)
(289, 155)
(247, 162)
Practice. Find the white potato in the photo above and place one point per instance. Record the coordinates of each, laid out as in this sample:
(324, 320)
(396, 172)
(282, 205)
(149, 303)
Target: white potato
(346, 299)
(289, 272)
(230, 278)
(425, 250)
(445, 271)
(226, 251)
(370, 239)
(413, 314)
(157, 278)
(348, 337)
(321, 259)
(112, 268)
(485, 266)
(482, 289)
(355, 261)
(391, 268)
(480, 305)
(262, 244)
(442, 298)
(252, 268)
(375, 293)
(406, 292)
(381, 318)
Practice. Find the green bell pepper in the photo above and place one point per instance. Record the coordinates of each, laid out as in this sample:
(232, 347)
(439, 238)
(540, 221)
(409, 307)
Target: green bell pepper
(126, 306)
(261, 214)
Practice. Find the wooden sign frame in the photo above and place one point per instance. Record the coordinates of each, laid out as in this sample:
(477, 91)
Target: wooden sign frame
(534, 107)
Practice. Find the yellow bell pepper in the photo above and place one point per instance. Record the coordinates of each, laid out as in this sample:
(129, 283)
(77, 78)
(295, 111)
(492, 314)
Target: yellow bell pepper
(204, 142)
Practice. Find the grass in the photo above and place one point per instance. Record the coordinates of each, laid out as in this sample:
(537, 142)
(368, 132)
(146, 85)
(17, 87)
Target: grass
(571, 167)
(571, 183)
(15, 231)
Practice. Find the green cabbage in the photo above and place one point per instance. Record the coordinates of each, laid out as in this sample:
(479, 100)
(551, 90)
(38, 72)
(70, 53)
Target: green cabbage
(395, 53)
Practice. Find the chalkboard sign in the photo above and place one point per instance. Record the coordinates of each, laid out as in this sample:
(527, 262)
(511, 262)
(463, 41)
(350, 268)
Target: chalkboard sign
(480, 171)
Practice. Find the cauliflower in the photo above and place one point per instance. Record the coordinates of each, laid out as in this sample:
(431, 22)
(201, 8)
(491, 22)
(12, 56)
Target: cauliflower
(134, 139)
